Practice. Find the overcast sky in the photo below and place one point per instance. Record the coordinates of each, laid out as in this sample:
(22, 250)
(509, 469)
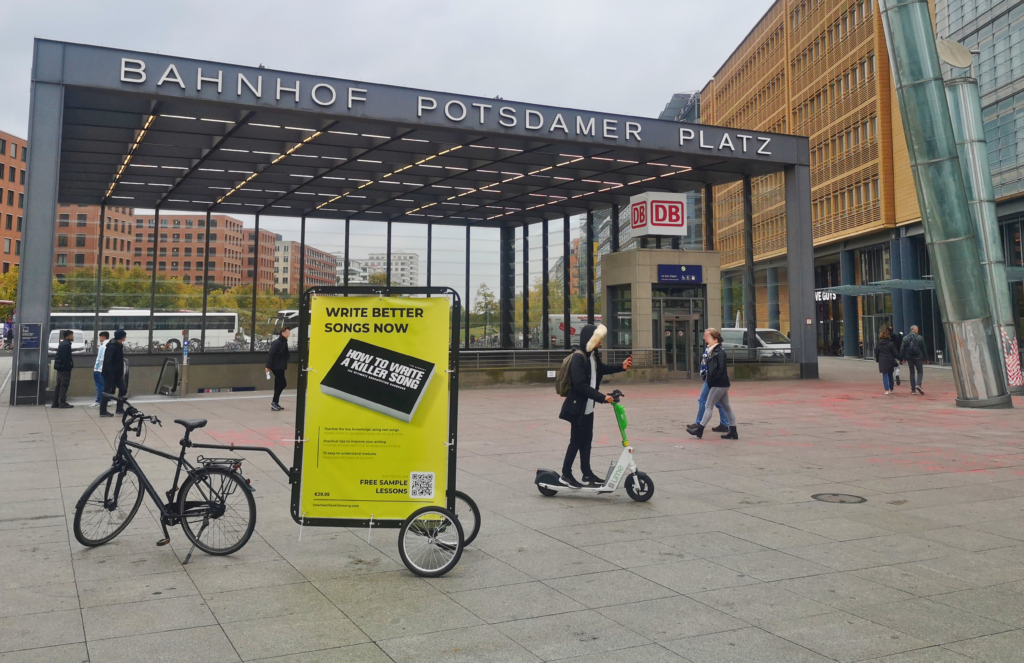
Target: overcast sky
(624, 57)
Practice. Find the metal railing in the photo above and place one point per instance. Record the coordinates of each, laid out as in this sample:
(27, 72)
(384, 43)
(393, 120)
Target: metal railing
(484, 359)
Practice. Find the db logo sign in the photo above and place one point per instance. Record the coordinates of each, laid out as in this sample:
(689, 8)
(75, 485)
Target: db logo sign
(668, 213)
(658, 213)
(639, 214)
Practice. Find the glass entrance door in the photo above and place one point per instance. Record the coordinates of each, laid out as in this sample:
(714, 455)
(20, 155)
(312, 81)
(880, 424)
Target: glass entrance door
(679, 318)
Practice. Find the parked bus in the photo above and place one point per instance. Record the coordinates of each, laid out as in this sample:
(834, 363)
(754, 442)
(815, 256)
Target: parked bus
(169, 327)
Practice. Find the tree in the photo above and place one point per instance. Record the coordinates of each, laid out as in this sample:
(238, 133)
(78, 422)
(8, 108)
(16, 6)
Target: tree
(378, 278)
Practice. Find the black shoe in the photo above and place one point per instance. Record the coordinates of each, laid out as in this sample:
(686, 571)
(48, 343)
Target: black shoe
(118, 411)
(732, 434)
(569, 480)
(692, 426)
(592, 480)
(276, 407)
(920, 391)
(106, 414)
(66, 406)
(721, 428)
(55, 406)
(697, 432)
(897, 380)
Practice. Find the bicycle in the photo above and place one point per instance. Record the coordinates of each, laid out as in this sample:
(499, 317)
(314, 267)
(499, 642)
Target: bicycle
(214, 506)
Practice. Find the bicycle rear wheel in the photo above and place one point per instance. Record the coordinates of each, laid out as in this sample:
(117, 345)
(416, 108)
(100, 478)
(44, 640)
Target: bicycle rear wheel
(107, 506)
(431, 542)
(468, 514)
(218, 512)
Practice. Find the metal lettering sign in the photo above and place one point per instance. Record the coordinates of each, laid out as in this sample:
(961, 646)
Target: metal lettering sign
(680, 274)
(658, 213)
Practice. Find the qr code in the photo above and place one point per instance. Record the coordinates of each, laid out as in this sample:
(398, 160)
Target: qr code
(421, 485)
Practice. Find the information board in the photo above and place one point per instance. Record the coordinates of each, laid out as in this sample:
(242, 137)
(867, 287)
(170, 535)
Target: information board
(680, 274)
(376, 407)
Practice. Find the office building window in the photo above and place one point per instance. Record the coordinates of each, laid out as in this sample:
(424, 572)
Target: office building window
(62, 240)
(80, 241)
(79, 259)
(62, 260)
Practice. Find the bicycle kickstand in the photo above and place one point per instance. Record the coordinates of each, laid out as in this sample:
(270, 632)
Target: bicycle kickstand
(193, 548)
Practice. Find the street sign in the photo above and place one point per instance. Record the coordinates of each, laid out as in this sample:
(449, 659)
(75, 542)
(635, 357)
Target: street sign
(680, 274)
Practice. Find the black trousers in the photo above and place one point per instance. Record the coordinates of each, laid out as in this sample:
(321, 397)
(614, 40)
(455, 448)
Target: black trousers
(279, 382)
(580, 438)
(916, 366)
(60, 390)
(109, 386)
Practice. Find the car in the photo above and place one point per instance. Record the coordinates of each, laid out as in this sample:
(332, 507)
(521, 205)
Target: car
(78, 345)
(771, 343)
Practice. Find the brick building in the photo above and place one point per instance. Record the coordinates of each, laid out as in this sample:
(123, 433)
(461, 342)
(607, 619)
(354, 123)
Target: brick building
(267, 245)
(320, 267)
(13, 153)
(181, 248)
(78, 237)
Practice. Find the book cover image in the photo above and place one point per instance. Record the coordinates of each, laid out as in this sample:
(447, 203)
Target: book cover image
(378, 379)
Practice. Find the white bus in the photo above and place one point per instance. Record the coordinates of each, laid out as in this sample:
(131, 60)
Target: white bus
(169, 327)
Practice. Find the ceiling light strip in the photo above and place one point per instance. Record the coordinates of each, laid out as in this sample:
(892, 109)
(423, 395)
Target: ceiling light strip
(131, 152)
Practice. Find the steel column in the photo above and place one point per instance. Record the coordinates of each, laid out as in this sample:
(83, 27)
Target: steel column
(35, 273)
(910, 269)
(749, 292)
(99, 279)
(387, 272)
(206, 281)
(588, 246)
(773, 299)
(896, 272)
(526, 286)
(430, 250)
(615, 228)
(800, 268)
(709, 217)
(302, 254)
(545, 305)
(851, 323)
(156, 264)
(255, 286)
(566, 283)
(506, 287)
(466, 299)
(348, 261)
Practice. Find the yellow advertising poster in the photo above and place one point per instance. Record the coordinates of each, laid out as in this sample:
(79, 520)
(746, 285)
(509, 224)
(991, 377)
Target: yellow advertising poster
(376, 410)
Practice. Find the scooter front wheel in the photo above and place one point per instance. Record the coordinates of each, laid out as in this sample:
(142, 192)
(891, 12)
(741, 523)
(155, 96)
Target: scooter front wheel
(546, 492)
(639, 487)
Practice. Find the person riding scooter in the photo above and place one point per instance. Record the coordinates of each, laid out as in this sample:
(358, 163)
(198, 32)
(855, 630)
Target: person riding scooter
(586, 371)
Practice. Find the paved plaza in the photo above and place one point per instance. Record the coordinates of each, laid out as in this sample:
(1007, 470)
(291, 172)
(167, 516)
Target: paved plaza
(730, 562)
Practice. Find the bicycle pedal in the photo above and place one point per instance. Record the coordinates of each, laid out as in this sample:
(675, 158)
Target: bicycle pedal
(163, 542)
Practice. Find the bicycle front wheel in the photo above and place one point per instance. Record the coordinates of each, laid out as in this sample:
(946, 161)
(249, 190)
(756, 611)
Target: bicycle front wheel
(107, 506)
(217, 510)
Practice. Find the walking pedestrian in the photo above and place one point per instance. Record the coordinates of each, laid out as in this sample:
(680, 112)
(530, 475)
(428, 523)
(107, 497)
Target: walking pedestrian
(586, 371)
(887, 357)
(897, 342)
(702, 400)
(277, 363)
(718, 386)
(114, 374)
(63, 363)
(914, 353)
(97, 368)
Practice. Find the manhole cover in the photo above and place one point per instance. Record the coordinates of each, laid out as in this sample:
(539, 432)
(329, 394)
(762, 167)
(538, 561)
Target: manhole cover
(839, 498)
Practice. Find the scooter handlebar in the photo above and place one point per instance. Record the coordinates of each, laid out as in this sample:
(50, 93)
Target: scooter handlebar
(617, 395)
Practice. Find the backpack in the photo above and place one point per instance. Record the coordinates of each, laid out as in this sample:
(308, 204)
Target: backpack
(913, 346)
(563, 381)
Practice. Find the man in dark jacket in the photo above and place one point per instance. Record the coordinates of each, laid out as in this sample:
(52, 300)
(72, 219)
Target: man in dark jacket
(913, 351)
(113, 373)
(277, 363)
(586, 371)
(63, 364)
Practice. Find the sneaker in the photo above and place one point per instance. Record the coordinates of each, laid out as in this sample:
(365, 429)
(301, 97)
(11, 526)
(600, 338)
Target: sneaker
(276, 407)
(887, 393)
(95, 405)
(106, 414)
(920, 392)
(592, 480)
(721, 428)
(569, 480)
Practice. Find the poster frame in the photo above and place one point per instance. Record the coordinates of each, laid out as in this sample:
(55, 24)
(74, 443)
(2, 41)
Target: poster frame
(300, 406)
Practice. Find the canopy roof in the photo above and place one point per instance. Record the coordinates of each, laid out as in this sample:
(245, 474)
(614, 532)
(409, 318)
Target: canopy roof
(146, 130)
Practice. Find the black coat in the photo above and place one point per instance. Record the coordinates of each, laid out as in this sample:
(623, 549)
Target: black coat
(575, 404)
(277, 358)
(886, 355)
(113, 362)
(63, 361)
(718, 370)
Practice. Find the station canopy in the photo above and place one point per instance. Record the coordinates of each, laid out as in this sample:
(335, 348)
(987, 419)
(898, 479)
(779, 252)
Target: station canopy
(146, 131)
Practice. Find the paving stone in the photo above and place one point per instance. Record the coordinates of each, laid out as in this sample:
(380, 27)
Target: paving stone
(598, 590)
(671, 618)
(292, 634)
(476, 644)
(196, 644)
(692, 576)
(32, 631)
(745, 645)
(76, 653)
(999, 648)
(125, 619)
(411, 615)
(762, 603)
(771, 565)
(844, 637)
(583, 633)
(929, 621)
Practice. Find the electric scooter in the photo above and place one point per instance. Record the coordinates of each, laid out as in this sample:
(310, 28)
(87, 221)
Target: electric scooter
(639, 486)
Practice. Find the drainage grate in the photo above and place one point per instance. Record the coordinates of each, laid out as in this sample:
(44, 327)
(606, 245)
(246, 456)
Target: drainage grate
(839, 498)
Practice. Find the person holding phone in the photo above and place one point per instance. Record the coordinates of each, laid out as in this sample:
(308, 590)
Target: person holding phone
(586, 371)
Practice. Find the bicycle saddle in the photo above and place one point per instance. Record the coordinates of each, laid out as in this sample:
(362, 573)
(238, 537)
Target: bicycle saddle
(191, 424)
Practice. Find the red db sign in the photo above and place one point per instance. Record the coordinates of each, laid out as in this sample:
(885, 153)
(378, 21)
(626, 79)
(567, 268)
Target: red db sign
(657, 213)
